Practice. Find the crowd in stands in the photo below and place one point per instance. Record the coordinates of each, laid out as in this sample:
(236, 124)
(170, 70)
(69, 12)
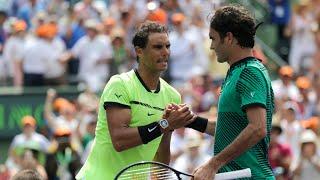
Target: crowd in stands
(65, 42)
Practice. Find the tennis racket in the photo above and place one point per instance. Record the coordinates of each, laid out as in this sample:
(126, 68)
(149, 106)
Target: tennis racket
(150, 170)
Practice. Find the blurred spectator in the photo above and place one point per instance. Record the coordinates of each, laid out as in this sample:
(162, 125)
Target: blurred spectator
(192, 156)
(34, 56)
(308, 166)
(306, 97)
(109, 24)
(122, 60)
(211, 96)
(55, 74)
(30, 9)
(28, 174)
(117, 7)
(71, 27)
(66, 113)
(284, 87)
(3, 35)
(28, 139)
(182, 51)
(192, 91)
(177, 143)
(302, 37)
(156, 13)
(94, 52)
(316, 110)
(279, 153)
(57, 7)
(87, 9)
(291, 127)
(63, 161)
(280, 12)
(29, 161)
(88, 138)
(314, 69)
(13, 51)
(90, 132)
(313, 123)
(88, 106)
(198, 34)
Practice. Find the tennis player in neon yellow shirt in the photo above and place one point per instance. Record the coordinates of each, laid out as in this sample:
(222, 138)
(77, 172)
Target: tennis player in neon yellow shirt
(130, 125)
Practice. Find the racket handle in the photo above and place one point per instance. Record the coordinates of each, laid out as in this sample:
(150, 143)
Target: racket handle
(234, 174)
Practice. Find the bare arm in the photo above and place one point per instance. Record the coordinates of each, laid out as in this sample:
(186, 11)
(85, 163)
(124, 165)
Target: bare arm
(48, 112)
(251, 135)
(118, 123)
(163, 153)
(18, 73)
(211, 127)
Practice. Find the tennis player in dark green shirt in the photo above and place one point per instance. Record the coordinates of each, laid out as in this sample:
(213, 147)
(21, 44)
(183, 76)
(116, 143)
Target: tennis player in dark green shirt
(245, 108)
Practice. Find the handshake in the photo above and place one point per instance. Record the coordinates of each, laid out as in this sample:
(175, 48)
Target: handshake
(176, 116)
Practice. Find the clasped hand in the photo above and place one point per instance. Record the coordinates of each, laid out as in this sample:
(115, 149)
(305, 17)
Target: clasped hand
(178, 115)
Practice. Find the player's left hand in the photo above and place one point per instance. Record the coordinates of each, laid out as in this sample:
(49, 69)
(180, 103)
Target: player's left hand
(205, 172)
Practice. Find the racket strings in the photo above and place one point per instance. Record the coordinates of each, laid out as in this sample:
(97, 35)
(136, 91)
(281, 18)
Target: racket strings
(148, 172)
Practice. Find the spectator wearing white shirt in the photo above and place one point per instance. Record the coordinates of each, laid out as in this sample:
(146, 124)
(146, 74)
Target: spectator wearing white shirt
(308, 166)
(303, 45)
(306, 97)
(12, 51)
(291, 128)
(284, 87)
(193, 155)
(177, 143)
(183, 54)
(94, 52)
(34, 56)
(29, 138)
(56, 66)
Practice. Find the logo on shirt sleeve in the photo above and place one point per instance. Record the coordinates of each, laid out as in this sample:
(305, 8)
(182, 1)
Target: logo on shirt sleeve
(118, 96)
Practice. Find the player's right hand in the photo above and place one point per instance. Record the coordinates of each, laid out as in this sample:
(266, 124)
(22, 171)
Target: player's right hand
(180, 117)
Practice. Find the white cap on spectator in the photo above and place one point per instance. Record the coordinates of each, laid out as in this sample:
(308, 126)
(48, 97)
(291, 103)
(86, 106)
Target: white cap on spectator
(308, 136)
(91, 24)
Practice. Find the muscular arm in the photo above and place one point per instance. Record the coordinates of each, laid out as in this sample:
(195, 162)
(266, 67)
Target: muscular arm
(251, 135)
(123, 137)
